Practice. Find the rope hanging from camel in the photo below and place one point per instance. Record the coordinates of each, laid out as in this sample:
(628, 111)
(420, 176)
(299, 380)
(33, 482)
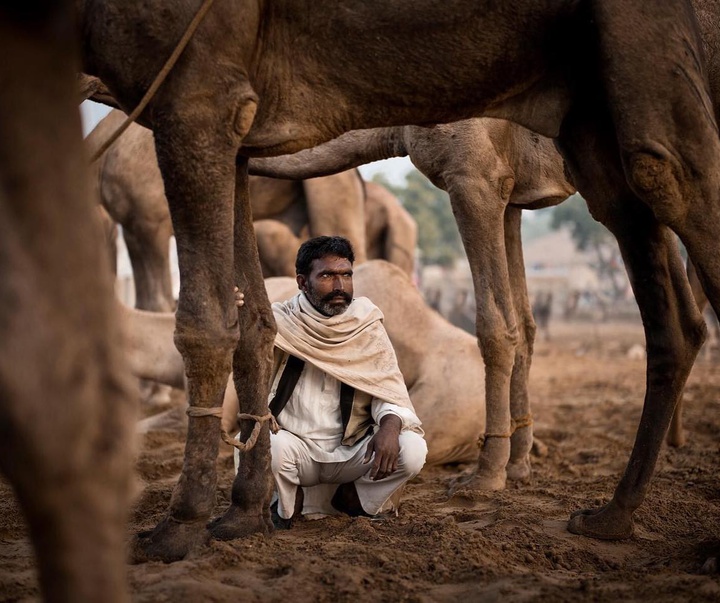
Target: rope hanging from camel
(159, 79)
(216, 411)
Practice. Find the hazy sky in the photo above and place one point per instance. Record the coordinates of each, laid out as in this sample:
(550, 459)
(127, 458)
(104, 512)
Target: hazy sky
(393, 169)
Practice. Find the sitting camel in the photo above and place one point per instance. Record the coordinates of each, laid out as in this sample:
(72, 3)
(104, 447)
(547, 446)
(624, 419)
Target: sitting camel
(264, 78)
(66, 407)
(441, 364)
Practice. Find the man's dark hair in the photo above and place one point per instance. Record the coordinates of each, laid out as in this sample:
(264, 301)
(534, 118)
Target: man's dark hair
(319, 247)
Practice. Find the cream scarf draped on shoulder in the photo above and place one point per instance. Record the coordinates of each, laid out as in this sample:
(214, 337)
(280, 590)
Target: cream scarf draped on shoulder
(353, 346)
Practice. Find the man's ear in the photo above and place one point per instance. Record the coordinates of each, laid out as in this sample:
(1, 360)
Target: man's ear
(301, 281)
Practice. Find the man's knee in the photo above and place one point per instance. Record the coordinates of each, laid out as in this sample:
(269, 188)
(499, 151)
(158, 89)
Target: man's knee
(413, 451)
(284, 452)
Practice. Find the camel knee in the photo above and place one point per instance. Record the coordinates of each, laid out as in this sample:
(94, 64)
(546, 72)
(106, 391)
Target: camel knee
(680, 351)
(696, 335)
(654, 179)
(204, 347)
(499, 348)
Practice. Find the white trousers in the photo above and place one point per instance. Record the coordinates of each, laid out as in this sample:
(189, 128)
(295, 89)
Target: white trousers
(292, 467)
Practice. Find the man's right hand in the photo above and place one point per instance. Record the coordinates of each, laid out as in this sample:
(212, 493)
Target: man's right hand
(386, 446)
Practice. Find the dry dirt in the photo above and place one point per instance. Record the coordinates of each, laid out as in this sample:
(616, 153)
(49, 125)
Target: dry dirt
(509, 546)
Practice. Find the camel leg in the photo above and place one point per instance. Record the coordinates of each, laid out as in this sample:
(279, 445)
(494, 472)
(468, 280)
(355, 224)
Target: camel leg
(199, 173)
(67, 405)
(676, 433)
(252, 489)
(149, 250)
(479, 206)
(522, 435)
(674, 329)
(667, 130)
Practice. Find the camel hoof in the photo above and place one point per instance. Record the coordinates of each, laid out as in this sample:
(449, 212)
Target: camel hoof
(603, 523)
(478, 481)
(171, 540)
(520, 471)
(710, 566)
(236, 524)
(539, 448)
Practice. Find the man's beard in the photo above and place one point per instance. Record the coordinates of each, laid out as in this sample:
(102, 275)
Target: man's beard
(323, 305)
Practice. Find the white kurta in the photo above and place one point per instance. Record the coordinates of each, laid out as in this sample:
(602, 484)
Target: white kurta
(313, 414)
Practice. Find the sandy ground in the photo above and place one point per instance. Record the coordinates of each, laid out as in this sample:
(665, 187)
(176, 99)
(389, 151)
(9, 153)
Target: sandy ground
(509, 546)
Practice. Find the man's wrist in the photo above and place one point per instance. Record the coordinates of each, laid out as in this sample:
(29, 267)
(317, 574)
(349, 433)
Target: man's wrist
(391, 421)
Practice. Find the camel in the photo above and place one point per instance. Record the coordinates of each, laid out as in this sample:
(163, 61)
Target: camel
(440, 363)
(264, 78)
(66, 407)
(488, 166)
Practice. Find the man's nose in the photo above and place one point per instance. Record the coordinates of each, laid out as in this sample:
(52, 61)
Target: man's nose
(338, 283)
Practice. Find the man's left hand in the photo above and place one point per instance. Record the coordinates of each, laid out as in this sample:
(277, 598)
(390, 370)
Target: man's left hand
(386, 446)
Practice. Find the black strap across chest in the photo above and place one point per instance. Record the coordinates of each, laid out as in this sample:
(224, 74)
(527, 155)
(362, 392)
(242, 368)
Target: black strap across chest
(288, 380)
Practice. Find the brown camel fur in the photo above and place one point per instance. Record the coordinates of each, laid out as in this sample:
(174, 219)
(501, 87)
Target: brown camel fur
(264, 78)
(441, 364)
(66, 406)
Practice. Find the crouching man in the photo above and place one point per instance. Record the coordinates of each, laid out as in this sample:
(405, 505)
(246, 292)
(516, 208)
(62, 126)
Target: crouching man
(338, 395)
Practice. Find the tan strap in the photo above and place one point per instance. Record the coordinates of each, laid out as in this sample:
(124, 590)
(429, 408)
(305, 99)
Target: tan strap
(216, 411)
(159, 79)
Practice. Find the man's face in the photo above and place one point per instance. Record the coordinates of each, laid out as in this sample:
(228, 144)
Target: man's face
(329, 286)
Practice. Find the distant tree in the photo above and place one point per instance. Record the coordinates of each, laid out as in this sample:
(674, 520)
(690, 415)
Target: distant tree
(438, 235)
(589, 235)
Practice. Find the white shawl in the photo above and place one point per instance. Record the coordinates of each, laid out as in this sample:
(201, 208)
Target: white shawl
(353, 346)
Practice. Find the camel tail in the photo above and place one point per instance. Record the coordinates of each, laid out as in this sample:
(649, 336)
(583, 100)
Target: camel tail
(348, 151)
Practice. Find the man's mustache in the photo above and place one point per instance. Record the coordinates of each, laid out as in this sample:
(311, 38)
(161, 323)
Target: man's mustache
(337, 293)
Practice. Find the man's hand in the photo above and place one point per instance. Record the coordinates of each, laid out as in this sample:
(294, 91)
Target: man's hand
(386, 446)
(239, 298)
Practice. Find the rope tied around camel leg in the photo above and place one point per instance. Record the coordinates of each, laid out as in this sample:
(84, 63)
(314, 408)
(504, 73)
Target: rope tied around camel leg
(216, 412)
(520, 422)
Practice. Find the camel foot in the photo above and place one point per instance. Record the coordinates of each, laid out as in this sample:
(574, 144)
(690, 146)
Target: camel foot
(519, 471)
(604, 523)
(236, 523)
(676, 440)
(539, 448)
(171, 540)
(479, 481)
(710, 566)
